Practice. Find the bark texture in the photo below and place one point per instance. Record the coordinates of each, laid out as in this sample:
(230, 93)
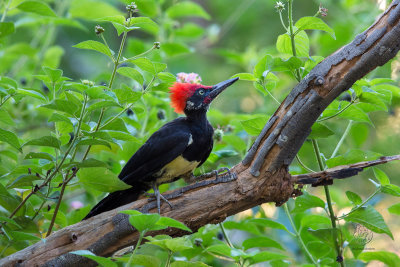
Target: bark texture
(261, 177)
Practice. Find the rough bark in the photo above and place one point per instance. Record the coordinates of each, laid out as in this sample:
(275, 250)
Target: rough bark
(261, 177)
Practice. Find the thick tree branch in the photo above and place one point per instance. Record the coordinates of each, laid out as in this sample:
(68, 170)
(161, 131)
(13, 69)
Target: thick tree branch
(261, 177)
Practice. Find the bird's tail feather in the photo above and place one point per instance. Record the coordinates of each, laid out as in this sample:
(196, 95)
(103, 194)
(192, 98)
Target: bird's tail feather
(117, 199)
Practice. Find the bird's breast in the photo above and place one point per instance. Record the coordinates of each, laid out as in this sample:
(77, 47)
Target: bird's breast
(175, 169)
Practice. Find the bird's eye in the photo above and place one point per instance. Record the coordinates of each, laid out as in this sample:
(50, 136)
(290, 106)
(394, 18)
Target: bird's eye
(201, 92)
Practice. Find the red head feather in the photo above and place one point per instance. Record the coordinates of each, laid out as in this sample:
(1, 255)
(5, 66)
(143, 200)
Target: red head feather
(180, 92)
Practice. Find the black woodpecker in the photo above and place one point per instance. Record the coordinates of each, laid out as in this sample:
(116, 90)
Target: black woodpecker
(173, 151)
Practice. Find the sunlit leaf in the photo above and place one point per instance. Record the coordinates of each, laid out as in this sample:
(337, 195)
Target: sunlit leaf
(101, 179)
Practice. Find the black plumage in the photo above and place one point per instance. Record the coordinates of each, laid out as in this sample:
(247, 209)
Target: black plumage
(172, 152)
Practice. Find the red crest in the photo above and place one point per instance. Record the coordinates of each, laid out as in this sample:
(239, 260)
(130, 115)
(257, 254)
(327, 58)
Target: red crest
(179, 93)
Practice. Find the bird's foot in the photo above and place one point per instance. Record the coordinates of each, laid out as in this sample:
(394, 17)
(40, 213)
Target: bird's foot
(227, 176)
(158, 197)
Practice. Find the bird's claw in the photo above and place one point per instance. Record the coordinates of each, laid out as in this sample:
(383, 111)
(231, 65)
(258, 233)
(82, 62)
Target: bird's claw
(157, 196)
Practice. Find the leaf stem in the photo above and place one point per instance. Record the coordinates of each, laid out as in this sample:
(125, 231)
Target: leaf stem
(6, 8)
(292, 35)
(339, 144)
(285, 207)
(115, 117)
(283, 23)
(329, 203)
(336, 114)
(141, 235)
(225, 235)
(140, 55)
(360, 205)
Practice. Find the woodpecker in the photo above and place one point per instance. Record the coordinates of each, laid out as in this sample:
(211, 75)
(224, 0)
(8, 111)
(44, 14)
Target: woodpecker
(173, 151)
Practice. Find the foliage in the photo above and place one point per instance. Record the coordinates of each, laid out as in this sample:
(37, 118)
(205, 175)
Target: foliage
(64, 138)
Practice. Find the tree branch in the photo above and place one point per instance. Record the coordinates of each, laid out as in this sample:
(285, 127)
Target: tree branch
(261, 177)
(339, 172)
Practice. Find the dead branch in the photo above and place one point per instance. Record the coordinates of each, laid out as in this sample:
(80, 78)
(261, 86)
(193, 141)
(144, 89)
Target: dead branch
(261, 177)
(339, 172)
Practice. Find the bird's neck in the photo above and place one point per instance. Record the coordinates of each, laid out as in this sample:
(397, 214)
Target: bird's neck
(198, 116)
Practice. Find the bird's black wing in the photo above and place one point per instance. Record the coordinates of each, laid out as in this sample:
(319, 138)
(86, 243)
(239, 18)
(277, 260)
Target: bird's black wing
(165, 145)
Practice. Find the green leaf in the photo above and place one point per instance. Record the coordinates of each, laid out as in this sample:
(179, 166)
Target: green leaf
(314, 222)
(352, 156)
(187, 9)
(96, 46)
(131, 73)
(63, 106)
(32, 93)
(93, 142)
(102, 104)
(116, 125)
(255, 125)
(188, 264)
(145, 24)
(8, 201)
(279, 64)
(265, 256)
(10, 138)
(21, 236)
(6, 28)
(370, 218)
(23, 180)
(245, 77)
(284, 44)
(314, 23)
(145, 222)
(116, 19)
(381, 176)
(143, 260)
(307, 201)
(221, 249)
(173, 49)
(56, 117)
(389, 258)
(6, 118)
(269, 223)
(167, 77)
(10, 221)
(262, 65)
(149, 66)
(318, 249)
(37, 7)
(395, 209)
(356, 114)
(391, 189)
(189, 30)
(261, 242)
(354, 198)
(319, 130)
(117, 135)
(54, 74)
(49, 141)
(101, 179)
(178, 244)
(39, 155)
(235, 141)
(92, 9)
(90, 163)
(104, 262)
(325, 234)
(166, 221)
(373, 100)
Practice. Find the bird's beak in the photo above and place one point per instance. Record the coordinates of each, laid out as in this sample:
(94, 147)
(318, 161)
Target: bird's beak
(218, 88)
